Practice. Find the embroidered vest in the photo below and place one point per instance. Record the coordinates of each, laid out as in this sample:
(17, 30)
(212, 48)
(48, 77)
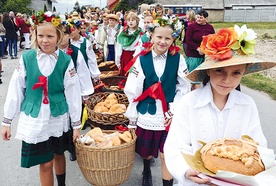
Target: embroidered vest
(32, 101)
(168, 80)
(83, 50)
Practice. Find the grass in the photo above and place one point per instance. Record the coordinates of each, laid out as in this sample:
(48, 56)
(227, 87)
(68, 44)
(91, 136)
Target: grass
(259, 82)
(256, 81)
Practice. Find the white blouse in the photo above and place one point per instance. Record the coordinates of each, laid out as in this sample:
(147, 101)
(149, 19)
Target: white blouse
(35, 130)
(119, 48)
(197, 118)
(92, 60)
(84, 75)
(134, 88)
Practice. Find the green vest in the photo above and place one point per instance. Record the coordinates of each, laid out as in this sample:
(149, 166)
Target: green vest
(32, 101)
(83, 50)
(74, 55)
(168, 81)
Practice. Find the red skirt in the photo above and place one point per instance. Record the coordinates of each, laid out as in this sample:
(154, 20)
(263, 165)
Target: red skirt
(125, 58)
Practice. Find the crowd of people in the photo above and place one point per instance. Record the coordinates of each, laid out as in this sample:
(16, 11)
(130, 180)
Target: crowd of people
(169, 113)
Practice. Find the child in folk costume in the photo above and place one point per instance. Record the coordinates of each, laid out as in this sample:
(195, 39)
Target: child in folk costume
(156, 82)
(101, 43)
(86, 49)
(81, 68)
(147, 20)
(215, 110)
(45, 90)
(127, 42)
(107, 39)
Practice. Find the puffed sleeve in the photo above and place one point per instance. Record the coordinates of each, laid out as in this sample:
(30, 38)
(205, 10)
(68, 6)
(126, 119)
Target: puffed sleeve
(15, 94)
(118, 52)
(73, 95)
(92, 61)
(178, 140)
(133, 89)
(183, 86)
(84, 76)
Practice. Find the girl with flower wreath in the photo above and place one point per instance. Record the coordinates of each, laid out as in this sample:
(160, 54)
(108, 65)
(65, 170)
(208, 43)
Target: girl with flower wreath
(86, 49)
(154, 85)
(127, 41)
(45, 90)
(215, 110)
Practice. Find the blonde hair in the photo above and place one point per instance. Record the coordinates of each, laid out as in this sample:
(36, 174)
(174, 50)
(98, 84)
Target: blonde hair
(192, 15)
(133, 16)
(59, 31)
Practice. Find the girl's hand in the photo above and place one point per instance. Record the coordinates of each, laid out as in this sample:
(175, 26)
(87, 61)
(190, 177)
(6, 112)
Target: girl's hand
(6, 133)
(192, 175)
(76, 134)
(167, 121)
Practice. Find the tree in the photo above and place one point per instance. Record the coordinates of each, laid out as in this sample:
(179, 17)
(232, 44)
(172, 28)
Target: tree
(45, 8)
(122, 5)
(16, 6)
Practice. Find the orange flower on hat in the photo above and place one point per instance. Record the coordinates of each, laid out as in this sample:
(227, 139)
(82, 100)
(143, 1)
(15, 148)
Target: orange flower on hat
(218, 45)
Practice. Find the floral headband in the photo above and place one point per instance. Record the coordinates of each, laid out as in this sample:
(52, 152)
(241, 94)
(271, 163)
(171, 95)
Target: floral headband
(40, 16)
(220, 45)
(75, 22)
(175, 23)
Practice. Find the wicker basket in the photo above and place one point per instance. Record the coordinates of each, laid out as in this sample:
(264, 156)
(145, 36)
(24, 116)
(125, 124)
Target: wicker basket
(106, 166)
(107, 66)
(105, 118)
(105, 74)
(112, 81)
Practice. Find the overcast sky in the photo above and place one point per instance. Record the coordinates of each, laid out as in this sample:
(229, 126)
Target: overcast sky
(67, 5)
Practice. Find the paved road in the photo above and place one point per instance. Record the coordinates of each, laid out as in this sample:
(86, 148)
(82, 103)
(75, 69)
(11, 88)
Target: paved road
(11, 174)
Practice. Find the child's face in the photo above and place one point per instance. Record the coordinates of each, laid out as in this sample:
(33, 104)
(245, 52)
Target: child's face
(132, 23)
(83, 29)
(65, 41)
(47, 38)
(147, 22)
(225, 79)
(105, 21)
(159, 11)
(112, 22)
(75, 34)
(162, 39)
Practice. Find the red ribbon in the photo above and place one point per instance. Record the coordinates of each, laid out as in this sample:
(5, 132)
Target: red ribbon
(155, 91)
(122, 83)
(121, 128)
(147, 46)
(42, 82)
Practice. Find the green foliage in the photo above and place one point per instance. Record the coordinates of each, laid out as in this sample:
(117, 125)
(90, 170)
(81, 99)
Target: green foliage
(259, 82)
(122, 5)
(15, 6)
(45, 8)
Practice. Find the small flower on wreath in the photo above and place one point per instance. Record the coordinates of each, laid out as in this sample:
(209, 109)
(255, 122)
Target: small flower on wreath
(147, 48)
(175, 23)
(40, 16)
(246, 39)
(220, 45)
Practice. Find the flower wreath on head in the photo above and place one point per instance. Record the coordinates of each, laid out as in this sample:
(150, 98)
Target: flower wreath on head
(175, 23)
(48, 16)
(220, 45)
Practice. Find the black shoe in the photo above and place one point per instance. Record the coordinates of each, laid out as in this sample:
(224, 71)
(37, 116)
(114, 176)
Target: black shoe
(15, 57)
(73, 156)
(1, 81)
(28, 48)
(147, 178)
(4, 57)
(12, 57)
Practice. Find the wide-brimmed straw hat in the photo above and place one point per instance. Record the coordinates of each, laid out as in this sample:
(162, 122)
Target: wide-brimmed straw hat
(75, 15)
(229, 47)
(113, 16)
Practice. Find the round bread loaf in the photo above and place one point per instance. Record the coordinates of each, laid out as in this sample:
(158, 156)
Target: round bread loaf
(234, 155)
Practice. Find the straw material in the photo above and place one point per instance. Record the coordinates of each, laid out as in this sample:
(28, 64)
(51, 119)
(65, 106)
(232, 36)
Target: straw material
(106, 166)
(105, 118)
(112, 81)
(105, 74)
(254, 65)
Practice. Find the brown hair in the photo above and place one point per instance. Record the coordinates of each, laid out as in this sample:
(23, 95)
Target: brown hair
(133, 16)
(59, 32)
